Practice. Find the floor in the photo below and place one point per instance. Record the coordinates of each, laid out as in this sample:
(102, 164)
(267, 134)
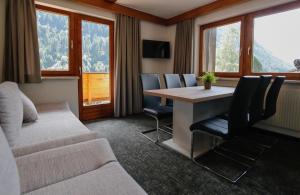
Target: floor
(160, 171)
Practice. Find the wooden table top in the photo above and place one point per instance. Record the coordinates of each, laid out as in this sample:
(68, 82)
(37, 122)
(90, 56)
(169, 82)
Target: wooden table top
(192, 94)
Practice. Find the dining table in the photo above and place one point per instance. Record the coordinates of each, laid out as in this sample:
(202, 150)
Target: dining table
(190, 105)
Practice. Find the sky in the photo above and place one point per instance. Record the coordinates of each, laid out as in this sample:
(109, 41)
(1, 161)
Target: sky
(280, 34)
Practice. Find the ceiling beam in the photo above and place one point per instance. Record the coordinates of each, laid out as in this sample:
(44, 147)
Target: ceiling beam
(116, 8)
(204, 10)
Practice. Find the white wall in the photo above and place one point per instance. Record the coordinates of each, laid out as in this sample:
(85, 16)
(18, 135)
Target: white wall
(54, 90)
(2, 33)
(161, 33)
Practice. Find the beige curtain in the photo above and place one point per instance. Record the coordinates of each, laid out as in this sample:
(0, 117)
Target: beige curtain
(183, 56)
(209, 50)
(128, 93)
(22, 63)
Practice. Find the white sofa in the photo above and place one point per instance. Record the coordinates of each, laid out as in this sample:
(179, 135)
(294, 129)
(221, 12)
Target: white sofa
(56, 154)
(56, 126)
(86, 168)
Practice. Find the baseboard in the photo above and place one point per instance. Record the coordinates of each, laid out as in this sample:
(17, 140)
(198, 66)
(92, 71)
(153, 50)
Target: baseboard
(279, 130)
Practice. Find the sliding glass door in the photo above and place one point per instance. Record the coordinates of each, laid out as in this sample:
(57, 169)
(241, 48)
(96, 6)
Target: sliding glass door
(96, 67)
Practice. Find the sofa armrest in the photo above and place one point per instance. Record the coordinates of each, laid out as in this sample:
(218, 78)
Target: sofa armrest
(51, 166)
(21, 151)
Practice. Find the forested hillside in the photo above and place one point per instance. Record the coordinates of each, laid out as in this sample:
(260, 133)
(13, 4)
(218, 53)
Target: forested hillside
(53, 32)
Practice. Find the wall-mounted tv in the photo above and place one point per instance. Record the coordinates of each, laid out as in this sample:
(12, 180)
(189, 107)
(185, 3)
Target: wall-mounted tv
(156, 49)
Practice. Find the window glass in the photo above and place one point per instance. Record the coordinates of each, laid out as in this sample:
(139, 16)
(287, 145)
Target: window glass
(53, 36)
(276, 43)
(95, 47)
(95, 63)
(221, 48)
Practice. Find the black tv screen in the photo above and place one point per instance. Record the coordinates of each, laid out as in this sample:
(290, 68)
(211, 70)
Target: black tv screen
(156, 49)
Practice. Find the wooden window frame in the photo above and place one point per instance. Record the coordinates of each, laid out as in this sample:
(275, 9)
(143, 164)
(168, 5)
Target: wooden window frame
(247, 40)
(73, 71)
(220, 24)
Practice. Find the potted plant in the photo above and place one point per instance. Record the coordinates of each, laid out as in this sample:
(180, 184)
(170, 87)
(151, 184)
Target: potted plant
(208, 78)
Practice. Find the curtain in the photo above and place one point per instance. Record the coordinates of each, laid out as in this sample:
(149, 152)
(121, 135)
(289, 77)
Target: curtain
(209, 50)
(183, 55)
(128, 93)
(22, 62)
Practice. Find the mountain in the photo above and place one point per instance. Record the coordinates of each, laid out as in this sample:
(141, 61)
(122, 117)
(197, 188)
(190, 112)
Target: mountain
(267, 62)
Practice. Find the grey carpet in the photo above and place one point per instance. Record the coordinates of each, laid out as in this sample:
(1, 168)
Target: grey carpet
(160, 171)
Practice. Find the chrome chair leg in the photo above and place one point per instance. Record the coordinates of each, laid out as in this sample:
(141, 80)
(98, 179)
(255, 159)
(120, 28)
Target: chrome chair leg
(157, 129)
(246, 166)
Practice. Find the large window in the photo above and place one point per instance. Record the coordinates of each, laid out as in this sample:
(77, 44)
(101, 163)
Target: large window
(263, 42)
(53, 33)
(55, 41)
(221, 48)
(276, 42)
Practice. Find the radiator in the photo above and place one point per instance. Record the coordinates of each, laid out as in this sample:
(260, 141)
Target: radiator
(287, 118)
(288, 109)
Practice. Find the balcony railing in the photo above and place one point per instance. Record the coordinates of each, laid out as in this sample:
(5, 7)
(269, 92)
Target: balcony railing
(96, 88)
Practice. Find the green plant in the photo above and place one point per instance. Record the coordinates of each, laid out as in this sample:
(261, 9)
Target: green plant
(209, 77)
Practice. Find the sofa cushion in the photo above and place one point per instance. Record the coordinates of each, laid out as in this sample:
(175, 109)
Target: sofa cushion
(11, 111)
(56, 121)
(9, 177)
(51, 166)
(30, 113)
(108, 179)
(22, 151)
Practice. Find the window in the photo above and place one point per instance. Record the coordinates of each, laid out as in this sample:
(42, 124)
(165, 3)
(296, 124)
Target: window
(96, 63)
(221, 48)
(263, 42)
(55, 40)
(276, 42)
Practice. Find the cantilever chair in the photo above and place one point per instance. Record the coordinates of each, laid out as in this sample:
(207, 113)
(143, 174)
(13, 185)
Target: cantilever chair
(172, 81)
(236, 124)
(257, 104)
(152, 105)
(258, 113)
(189, 80)
(271, 99)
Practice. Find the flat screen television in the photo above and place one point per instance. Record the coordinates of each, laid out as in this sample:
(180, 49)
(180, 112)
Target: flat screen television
(156, 49)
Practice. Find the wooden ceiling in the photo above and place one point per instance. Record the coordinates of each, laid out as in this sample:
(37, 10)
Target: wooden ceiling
(111, 5)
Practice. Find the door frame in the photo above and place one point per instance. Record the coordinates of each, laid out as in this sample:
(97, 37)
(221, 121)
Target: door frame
(102, 110)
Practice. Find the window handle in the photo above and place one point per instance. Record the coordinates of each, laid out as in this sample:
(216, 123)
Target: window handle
(80, 70)
(72, 44)
(249, 50)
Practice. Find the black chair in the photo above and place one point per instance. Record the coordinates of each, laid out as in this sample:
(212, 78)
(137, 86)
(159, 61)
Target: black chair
(257, 135)
(253, 135)
(272, 96)
(256, 110)
(236, 124)
(152, 105)
(172, 81)
(189, 80)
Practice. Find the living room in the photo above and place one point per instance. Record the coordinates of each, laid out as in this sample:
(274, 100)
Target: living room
(149, 97)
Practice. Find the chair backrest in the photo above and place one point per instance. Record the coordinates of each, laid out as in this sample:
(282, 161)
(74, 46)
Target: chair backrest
(189, 80)
(257, 103)
(239, 108)
(172, 81)
(9, 176)
(150, 81)
(272, 96)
